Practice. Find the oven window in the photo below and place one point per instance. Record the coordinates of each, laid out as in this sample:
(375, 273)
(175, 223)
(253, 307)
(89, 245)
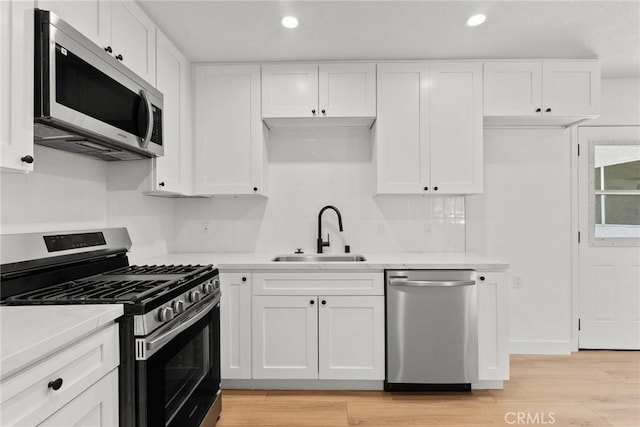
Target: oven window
(86, 89)
(184, 371)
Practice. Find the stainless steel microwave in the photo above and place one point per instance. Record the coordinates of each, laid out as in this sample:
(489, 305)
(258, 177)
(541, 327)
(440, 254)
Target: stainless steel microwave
(87, 101)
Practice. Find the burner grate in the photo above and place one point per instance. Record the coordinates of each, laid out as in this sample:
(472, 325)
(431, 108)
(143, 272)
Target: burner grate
(158, 269)
(95, 291)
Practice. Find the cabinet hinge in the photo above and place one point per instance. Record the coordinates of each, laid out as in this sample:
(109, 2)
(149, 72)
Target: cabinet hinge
(578, 323)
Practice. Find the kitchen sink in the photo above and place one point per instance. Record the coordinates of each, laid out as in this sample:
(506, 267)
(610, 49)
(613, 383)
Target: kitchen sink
(320, 258)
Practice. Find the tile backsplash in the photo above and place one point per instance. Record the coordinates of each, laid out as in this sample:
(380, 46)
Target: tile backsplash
(308, 169)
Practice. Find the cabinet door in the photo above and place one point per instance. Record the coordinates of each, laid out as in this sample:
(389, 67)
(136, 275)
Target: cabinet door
(493, 352)
(285, 337)
(347, 90)
(230, 152)
(235, 325)
(351, 337)
(571, 88)
(455, 128)
(90, 17)
(133, 36)
(16, 85)
(97, 406)
(290, 90)
(171, 171)
(513, 88)
(401, 128)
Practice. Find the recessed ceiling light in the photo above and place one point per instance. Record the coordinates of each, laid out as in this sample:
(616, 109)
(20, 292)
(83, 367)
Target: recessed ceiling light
(476, 20)
(290, 22)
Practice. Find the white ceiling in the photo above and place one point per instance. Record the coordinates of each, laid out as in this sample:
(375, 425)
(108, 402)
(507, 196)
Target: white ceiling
(241, 31)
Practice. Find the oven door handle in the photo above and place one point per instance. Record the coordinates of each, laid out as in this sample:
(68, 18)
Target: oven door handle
(157, 343)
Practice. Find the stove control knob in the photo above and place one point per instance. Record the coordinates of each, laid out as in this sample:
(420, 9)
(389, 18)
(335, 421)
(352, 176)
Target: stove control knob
(165, 314)
(207, 288)
(216, 283)
(194, 296)
(178, 306)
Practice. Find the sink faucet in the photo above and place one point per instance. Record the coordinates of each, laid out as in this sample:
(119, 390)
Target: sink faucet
(322, 243)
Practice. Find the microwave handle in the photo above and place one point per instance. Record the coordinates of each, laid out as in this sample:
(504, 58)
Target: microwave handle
(147, 137)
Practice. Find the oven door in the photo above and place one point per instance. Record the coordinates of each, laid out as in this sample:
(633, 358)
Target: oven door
(180, 380)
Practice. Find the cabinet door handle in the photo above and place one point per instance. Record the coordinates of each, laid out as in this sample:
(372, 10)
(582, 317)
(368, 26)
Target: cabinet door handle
(323, 111)
(548, 110)
(313, 111)
(55, 384)
(255, 189)
(244, 279)
(119, 57)
(108, 49)
(324, 302)
(312, 302)
(161, 184)
(435, 188)
(482, 278)
(27, 159)
(538, 110)
(426, 188)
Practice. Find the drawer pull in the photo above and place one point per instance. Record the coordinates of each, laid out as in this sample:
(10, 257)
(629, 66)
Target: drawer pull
(55, 384)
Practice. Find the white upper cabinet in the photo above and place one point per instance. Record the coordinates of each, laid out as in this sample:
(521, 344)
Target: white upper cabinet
(347, 90)
(429, 128)
(554, 93)
(121, 28)
(290, 90)
(230, 142)
(172, 172)
(133, 39)
(299, 91)
(16, 85)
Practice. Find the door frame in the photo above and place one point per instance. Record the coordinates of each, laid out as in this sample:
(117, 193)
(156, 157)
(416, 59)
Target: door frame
(575, 227)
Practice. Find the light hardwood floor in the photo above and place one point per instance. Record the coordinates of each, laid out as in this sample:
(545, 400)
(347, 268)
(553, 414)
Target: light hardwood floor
(588, 388)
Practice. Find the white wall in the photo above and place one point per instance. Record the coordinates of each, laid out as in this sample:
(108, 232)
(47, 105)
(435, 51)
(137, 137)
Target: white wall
(308, 169)
(68, 191)
(525, 218)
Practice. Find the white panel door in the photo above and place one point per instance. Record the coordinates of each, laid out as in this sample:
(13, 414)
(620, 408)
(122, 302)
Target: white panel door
(493, 331)
(609, 262)
(235, 325)
(455, 128)
(172, 80)
(513, 88)
(351, 337)
(285, 337)
(290, 90)
(16, 85)
(347, 90)
(90, 17)
(229, 135)
(401, 150)
(571, 88)
(97, 406)
(133, 36)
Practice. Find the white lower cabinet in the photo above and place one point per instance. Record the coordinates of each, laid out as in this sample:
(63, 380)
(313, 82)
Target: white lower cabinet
(493, 339)
(326, 326)
(95, 407)
(235, 325)
(75, 385)
(318, 337)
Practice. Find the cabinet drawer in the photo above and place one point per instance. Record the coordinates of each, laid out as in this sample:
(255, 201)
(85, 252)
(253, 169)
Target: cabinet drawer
(308, 283)
(26, 397)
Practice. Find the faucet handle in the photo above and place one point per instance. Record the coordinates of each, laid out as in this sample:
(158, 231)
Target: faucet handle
(328, 242)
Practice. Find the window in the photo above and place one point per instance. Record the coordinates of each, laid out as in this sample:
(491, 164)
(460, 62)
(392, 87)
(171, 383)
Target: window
(615, 192)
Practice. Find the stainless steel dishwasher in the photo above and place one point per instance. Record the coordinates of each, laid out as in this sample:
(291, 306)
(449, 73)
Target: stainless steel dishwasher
(431, 330)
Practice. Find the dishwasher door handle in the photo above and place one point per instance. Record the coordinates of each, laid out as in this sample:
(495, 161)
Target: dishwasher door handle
(431, 283)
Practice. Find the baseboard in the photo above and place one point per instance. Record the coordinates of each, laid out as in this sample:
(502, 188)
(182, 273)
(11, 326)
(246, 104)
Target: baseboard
(540, 347)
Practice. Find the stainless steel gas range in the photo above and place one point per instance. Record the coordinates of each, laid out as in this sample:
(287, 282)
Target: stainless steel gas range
(169, 373)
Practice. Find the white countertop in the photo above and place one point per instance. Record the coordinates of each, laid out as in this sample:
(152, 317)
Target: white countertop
(30, 333)
(375, 261)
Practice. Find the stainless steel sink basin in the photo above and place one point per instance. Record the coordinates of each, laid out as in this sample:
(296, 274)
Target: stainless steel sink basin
(320, 258)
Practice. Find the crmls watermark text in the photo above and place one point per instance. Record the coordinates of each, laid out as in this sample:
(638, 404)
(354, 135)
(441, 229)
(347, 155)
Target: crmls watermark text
(536, 418)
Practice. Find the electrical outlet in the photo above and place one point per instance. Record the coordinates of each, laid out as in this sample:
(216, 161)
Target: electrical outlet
(517, 281)
(205, 227)
(427, 229)
(381, 230)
